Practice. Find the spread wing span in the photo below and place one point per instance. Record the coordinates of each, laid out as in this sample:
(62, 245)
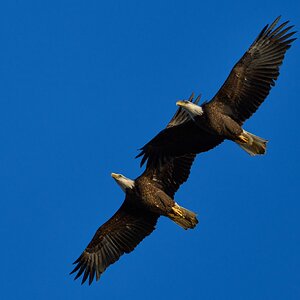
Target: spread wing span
(119, 235)
(251, 79)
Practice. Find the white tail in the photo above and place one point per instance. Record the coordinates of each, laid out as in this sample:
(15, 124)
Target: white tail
(255, 145)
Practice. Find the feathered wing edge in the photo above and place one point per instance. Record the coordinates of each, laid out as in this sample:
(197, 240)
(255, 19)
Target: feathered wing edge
(119, 235)
(251, 79)
(180, 117)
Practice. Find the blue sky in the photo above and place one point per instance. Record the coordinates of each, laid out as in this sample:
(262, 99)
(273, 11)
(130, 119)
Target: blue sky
(84, 84)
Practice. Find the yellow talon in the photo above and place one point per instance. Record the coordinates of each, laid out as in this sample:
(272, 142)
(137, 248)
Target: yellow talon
(243, 139)
(177, 211)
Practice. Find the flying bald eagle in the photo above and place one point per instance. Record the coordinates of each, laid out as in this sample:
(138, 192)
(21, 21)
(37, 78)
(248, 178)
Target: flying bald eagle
(246, 87)
(147, 198)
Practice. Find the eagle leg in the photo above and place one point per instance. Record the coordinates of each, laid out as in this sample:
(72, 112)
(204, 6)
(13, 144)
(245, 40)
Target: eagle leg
(183, 217)
(243, 139)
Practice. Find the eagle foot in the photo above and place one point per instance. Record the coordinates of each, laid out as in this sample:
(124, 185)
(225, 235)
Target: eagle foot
(243, 139)
(177, 211)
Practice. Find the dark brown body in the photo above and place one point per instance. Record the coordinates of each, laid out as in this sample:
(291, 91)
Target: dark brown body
(151, 197)
(217, 123)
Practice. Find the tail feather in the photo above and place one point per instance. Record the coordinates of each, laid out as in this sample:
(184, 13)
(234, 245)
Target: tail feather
(183, 217)
(255, 145)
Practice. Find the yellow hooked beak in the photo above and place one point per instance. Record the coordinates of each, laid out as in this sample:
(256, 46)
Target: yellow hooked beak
(181, 103)
(114, 175)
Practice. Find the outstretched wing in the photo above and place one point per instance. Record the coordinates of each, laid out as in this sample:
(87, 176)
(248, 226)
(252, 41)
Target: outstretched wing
(251, 79)
(119, 235)
(180, 137)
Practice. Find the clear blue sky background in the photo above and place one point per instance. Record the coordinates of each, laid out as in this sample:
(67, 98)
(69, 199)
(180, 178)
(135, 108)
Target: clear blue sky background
(84, 84)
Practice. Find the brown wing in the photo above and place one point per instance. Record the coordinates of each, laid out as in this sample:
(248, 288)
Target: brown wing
(252, 77)
(169, 175)
(180, 137)
(119, 235)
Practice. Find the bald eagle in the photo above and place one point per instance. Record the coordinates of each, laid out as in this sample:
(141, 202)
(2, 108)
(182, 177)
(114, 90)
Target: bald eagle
(147, 198)
(246, 87)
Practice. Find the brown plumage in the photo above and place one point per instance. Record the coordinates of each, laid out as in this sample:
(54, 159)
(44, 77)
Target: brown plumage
(147, 198)
(119, 235)
(246, 87)
(181, 136)
(251, 79)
